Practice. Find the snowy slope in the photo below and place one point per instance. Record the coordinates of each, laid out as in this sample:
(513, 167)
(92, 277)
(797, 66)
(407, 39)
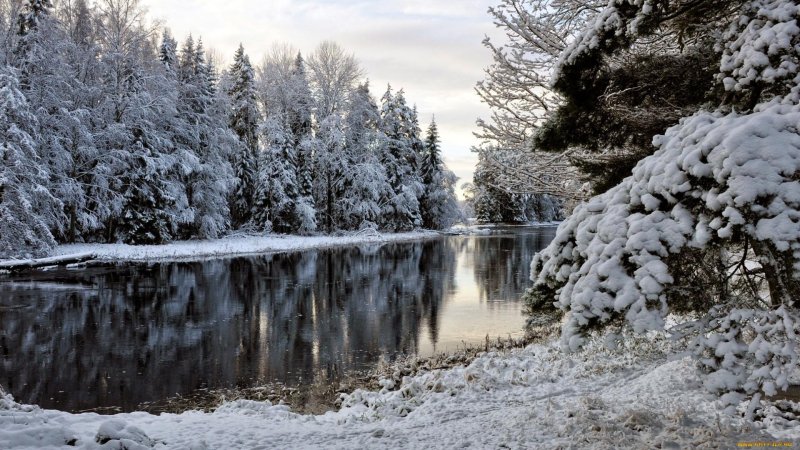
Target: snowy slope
(528, 398)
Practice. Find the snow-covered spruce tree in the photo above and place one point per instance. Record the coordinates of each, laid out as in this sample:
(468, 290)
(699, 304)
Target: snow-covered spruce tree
(710, 223)
(277, 192)
(33, 12)
(134, 114)
(401, 210)
(244, 121)
(154, 204)
(331, 166)
(287, 103)
(26, 205)
(366, 183)
(215, 178)
(168, 52)
(438, 204)
(431, 158)
(301, 125)
(287, 134)
(204, 168)
(174, 88)
(622, 91)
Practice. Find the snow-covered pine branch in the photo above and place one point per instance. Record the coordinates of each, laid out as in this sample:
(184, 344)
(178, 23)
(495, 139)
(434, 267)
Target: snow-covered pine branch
(708, 224)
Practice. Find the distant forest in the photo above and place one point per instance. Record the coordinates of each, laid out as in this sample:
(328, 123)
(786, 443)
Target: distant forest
(112, 131)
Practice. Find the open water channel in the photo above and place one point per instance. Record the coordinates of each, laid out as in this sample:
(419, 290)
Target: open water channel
(118, 335)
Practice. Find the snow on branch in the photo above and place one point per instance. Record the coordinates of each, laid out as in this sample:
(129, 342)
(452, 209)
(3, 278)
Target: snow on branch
(531, 172)
(762, 46)
(716, 182)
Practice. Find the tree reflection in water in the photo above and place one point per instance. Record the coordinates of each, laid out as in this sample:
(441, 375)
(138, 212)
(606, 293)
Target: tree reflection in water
(120, 335)
(502, 261)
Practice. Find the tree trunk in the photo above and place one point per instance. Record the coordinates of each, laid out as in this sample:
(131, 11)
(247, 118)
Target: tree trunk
(73, 223)
(329, 206)
(784, 287)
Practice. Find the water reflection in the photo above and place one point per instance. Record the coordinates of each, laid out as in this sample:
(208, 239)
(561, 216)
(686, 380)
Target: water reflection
(121, 335)
(503, 260)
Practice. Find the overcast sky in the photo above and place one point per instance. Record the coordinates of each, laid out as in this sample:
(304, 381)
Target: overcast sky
(430, 48)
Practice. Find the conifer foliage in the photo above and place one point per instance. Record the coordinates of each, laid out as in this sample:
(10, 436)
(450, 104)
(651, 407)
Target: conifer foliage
(244, 121)
(705, 225)
(438, 206)
(400, 157)
(26, 207)
(113, 131)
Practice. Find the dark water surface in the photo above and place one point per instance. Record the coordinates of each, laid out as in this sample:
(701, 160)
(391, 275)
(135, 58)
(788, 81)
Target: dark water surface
(123, 334)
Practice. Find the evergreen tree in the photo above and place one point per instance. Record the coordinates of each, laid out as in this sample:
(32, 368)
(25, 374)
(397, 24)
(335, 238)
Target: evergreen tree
(330, 171)
(204, 140)
(400, 160)
(244, 121)
(277, 191)
(438, 204)
(168, 52)
(365, 183)
(617, 96)
(32, 14)
(301, 126)
(494, 205)
(430, 168)
(144, 218)
(700, 239)
(134, 118)
(26, 206)
(79, 24)
(415, 138)
(213, 179)
(431, 158)
(287, 133)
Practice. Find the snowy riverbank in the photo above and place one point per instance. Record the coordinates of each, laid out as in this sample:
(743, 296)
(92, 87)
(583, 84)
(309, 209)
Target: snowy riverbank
(225, 247)
(534, 397)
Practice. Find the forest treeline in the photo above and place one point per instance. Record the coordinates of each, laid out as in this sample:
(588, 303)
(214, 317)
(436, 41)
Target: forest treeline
(112, 131)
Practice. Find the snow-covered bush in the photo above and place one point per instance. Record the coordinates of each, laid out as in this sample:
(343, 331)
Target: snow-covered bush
(750, 351)
(710, 223)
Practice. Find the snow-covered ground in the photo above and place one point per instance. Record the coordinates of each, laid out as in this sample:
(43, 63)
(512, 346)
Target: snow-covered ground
(229, 246)
(534, 397)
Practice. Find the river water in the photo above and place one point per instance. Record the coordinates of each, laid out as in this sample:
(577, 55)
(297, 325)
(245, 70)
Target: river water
(119, 335)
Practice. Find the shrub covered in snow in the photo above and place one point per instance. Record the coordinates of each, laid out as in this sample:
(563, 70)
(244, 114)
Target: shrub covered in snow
(709, 223)
(750, 351)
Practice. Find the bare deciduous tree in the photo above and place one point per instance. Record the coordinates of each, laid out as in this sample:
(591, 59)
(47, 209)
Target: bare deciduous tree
(517, 89)
(334, 73)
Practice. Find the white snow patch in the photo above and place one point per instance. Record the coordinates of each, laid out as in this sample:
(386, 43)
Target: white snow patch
(527, 398)
(229, 246)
